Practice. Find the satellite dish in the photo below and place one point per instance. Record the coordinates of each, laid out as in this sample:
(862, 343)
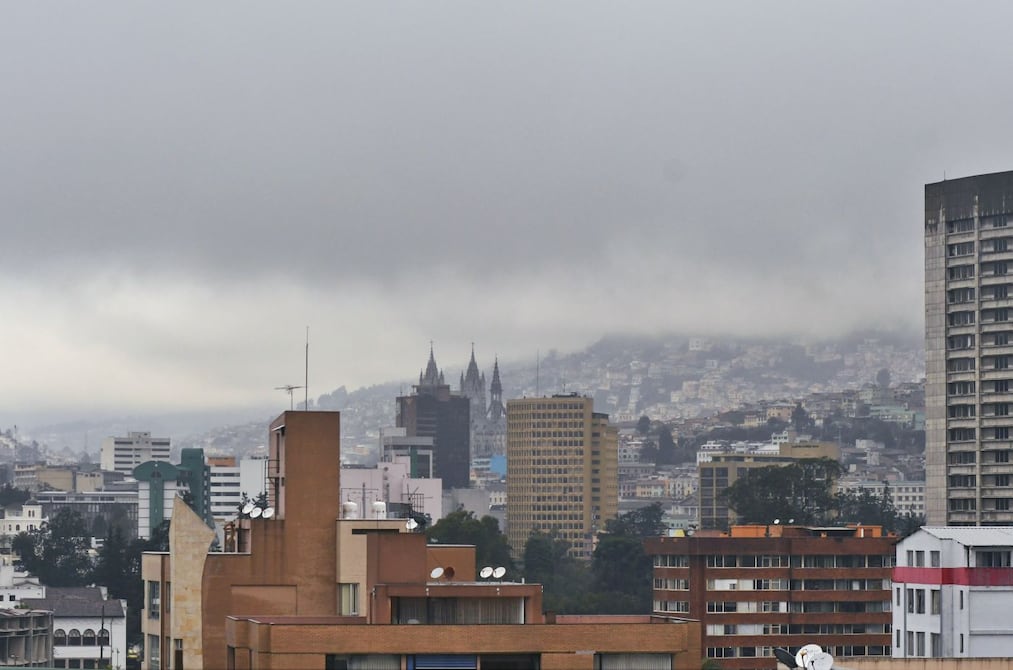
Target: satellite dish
(412, 524)
(436, 573)
(499, 572)
(255, 512)
(248, 507)
(268, 513)
(785, 657)
(486, 572)
(812, 657)
(777, 521)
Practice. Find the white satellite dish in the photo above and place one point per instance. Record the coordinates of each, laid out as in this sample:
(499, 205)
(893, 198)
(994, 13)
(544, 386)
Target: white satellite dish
(486, 572)
(436, 573)
(499, 572)
(255, 512)
(812, 657)
(248, 507)
(412, 524)
(268, 512)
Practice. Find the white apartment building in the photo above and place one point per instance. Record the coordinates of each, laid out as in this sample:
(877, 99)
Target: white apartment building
(952, 592)
(15, 586)
(123, 454)
(17, 519)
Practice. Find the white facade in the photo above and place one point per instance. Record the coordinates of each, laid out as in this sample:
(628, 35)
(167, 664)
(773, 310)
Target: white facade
(390, 483)
(123, 454)
(953, 587)
(88, 629)
(14, 520)
(14, 586)
(171, 488)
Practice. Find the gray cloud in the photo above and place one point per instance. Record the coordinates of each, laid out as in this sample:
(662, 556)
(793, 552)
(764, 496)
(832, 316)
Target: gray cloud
(183, 187)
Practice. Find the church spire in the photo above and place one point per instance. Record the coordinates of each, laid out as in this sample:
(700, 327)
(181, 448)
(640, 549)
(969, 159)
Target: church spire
(432, 374)
(496, 409)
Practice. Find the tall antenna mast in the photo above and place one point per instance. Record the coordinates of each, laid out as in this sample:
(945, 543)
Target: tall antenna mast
(537, 361)
(306, 379)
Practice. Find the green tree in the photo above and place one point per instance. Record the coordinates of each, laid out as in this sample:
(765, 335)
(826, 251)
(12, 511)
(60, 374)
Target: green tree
(666, 446)
(644, 425)
(622, 570)
(57, 553)
(10, 495)
(801, 490)
(567, 582)
(462, 527)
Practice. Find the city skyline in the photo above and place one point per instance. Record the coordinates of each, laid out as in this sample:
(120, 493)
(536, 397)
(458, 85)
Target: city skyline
(186, 189)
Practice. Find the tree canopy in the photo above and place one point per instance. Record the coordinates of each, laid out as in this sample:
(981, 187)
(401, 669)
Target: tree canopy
(57, 552)
(462, 527)
(803, 492)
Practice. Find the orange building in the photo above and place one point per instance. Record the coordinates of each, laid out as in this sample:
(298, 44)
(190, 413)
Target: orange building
(308, 589)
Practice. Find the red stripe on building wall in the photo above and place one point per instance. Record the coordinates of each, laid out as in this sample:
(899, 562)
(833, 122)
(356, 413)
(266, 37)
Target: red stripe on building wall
(954, 576)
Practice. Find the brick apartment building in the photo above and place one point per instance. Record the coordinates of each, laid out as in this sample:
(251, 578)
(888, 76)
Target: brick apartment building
(308, 589)
(755, 588)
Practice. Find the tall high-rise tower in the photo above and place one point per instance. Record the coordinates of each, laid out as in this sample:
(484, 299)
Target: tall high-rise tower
(433, 411)
(969, 350)
(562, 470)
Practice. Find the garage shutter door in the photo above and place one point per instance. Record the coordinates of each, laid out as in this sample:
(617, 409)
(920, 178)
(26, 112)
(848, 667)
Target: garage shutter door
(445, 662)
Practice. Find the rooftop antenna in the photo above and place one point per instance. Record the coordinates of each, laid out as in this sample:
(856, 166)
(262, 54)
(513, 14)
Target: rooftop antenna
(537, 361)
(306, 378)
(288, 388)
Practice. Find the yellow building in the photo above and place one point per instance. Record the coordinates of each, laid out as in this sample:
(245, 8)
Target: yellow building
(562, 470)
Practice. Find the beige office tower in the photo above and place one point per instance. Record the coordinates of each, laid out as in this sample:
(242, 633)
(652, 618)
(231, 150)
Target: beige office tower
(969, 350)
(562, 471)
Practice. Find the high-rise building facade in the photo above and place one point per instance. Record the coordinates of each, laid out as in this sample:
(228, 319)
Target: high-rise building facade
(123, 454)
(433, 411)
(756, 588)
(562, 470)
(969, 350)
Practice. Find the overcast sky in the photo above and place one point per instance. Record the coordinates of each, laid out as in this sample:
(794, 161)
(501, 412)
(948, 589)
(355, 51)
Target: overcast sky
(185, 186)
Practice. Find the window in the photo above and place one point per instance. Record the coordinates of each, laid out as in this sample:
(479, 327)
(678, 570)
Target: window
(992, 559)
(154, 601)
(960, 411)
(960, 226)
(961, 607)
(934, 560)
(961, 636)
(961, 434)
(920, 601)
(898, 637)
(153, 653)
(960, 295)
(349, 594)
(937, 645)
(960, 249)
(961, 318)
(910, 642)
(935, 602)
(959, 272)
(1000, 245)
(59, 637)
(960, 365)
(920, 637)
(960, 342)
(88, 638)
(910, 601)
(898, 597)
(919, 559)
(961, 388)
(103, 637)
